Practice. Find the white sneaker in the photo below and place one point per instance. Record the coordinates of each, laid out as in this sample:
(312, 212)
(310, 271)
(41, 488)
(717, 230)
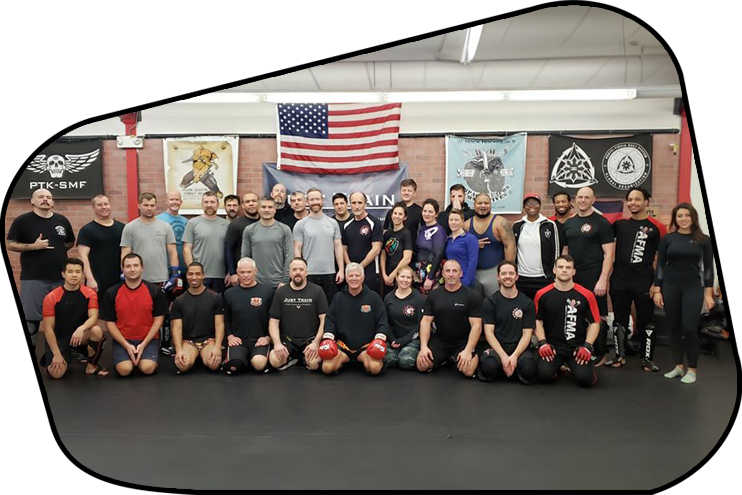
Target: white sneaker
(289, 364)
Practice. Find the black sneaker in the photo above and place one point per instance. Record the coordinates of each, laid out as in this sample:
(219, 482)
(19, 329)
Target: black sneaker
(648, 365)
(79, 356)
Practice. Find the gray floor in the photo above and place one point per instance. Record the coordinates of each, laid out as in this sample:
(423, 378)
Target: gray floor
(298, 430)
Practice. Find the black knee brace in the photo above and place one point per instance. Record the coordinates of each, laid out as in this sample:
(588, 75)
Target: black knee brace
(527, 370)
(237, 364)
(489, 367)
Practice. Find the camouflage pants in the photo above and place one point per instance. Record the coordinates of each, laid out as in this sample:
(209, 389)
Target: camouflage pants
(404, 357)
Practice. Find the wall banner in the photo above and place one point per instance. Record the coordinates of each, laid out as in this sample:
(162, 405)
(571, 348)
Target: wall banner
(611, 166)
(381, 188)
(495, 166)
(195, 165)
(69, 170)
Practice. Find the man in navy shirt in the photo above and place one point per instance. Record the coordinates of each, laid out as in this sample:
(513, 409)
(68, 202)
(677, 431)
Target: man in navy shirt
(362, 240)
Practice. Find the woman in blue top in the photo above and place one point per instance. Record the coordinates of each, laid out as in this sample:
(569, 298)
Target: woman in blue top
(462, 247)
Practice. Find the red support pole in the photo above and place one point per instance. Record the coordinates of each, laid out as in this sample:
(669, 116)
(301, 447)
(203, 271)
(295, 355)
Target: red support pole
(686, 160)
(132, 167)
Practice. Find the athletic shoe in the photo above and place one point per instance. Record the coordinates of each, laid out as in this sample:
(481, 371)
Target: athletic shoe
(289, 364)
(79, 356)
(648, 365)
(168, 351)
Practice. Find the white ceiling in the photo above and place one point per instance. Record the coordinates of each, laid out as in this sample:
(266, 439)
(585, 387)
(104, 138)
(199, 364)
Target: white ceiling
(557, 47)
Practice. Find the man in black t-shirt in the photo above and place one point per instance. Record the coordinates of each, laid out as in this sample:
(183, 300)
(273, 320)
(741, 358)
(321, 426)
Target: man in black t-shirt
(362, 239)
(233, 240)
(43, 238)
(590, 242)
(567, 324)
(99, 246)
(632, 281)
(407, 193)
(197, 323)
(457, 312)
(246, 317)
(509, 317)
(297, 320)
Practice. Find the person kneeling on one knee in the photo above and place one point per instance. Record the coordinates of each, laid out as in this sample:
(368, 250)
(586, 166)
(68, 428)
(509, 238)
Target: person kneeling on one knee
(197, 323)
(356, 327)
(457, 312)
(567, 324)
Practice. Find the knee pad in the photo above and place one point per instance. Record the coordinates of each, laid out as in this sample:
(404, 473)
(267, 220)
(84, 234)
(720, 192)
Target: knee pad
(488, 368)
(527, 370)
(237, 364)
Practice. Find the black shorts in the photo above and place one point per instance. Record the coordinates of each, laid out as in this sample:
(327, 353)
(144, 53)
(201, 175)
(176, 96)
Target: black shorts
(444, 351)
(65, 349)
(246, 351)
(296, 347)
(588, 278)
(352, 354)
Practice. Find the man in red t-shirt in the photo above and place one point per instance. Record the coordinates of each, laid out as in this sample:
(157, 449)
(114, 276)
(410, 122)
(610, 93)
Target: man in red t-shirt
(134, 311)
(70, 313)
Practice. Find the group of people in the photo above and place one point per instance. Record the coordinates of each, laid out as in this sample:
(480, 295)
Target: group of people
(284, 283)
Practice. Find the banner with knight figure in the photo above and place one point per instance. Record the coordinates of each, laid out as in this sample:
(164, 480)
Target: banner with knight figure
(611, 166)
(68, 169)
(195, 165)
(494, 166)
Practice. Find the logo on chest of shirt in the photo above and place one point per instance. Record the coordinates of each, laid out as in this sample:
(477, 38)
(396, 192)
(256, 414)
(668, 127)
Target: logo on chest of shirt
(640, 244)
(570, 319)
(409, 310)
(517, 313)
(586, 227)
(366, 308)
(256, 301)
(60, 230)
(365, 230)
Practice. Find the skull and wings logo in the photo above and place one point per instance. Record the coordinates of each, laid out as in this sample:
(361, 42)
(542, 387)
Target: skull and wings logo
(57, 165)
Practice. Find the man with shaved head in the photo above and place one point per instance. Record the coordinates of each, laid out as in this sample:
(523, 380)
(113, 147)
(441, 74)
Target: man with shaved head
(589, 240)
(172, 217)
(43, 238)
(283, 208)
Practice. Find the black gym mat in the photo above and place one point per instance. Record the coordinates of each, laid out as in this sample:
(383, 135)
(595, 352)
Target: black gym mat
(402, 430)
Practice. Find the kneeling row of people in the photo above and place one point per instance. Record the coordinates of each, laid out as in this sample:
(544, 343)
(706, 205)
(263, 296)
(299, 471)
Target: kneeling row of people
(407, 329)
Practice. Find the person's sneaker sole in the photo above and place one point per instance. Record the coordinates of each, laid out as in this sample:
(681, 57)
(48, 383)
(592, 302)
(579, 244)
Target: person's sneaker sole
(289, 364)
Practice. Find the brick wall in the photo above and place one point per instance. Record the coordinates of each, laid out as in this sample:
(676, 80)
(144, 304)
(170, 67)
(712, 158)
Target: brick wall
(426, 157)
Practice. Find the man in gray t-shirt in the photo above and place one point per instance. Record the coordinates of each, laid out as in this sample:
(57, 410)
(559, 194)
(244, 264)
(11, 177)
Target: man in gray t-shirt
(203, 241)
(317, 239)
(270, 244)
(153, 240)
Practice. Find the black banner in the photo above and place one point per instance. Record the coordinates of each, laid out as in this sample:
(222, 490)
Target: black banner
(611, 166)
(69, 170)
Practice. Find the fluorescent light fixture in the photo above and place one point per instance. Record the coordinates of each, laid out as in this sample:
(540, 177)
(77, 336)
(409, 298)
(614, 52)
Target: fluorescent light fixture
(470, 44)
(226, 98)
(441, 96)
(322, 97)
(571, 95)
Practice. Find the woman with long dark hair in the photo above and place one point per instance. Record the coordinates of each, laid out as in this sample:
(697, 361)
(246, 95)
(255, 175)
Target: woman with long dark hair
(683, 255)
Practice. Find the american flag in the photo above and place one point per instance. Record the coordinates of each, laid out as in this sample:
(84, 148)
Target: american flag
(338, 138)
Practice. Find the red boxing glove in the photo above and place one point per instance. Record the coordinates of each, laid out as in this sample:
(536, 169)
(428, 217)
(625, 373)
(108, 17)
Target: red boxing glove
(377, 348)
(545, 350)
(328, 349)
(583, 353)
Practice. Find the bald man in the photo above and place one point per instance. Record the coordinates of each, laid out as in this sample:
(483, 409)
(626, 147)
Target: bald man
(233, 241)
(43, 238)
(172, 217)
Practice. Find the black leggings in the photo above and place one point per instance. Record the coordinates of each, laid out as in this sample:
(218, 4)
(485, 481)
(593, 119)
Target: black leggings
(625, 292)
(683, 304)
(490, 365)
(583, 374)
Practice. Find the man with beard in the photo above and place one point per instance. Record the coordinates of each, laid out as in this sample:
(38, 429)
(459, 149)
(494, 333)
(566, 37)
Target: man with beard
(270, 244)
(43, 238)
(590, 242)
(318, 240)
(457, 201)
(407, 191)
(279, 195)
(197, 323)
(232, 206)
(203, 241)
(538, 242)
(99, 246)
(246, 317)
(177, 222)
(632, 281)
(297, 320)
(567, 325)
(496, 241)
(233, 240)
(509, 318)
(356, 328)
(562, 207)
(457, 313)
(362, 240)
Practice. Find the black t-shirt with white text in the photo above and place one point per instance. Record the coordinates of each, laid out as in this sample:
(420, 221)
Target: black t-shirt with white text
(510, 316)
(299, 310)
(636, 245)
(451, 312)
(566, 315)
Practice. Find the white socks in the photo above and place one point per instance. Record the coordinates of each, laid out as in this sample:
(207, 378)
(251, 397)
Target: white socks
(690, 377)
(676, 372)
